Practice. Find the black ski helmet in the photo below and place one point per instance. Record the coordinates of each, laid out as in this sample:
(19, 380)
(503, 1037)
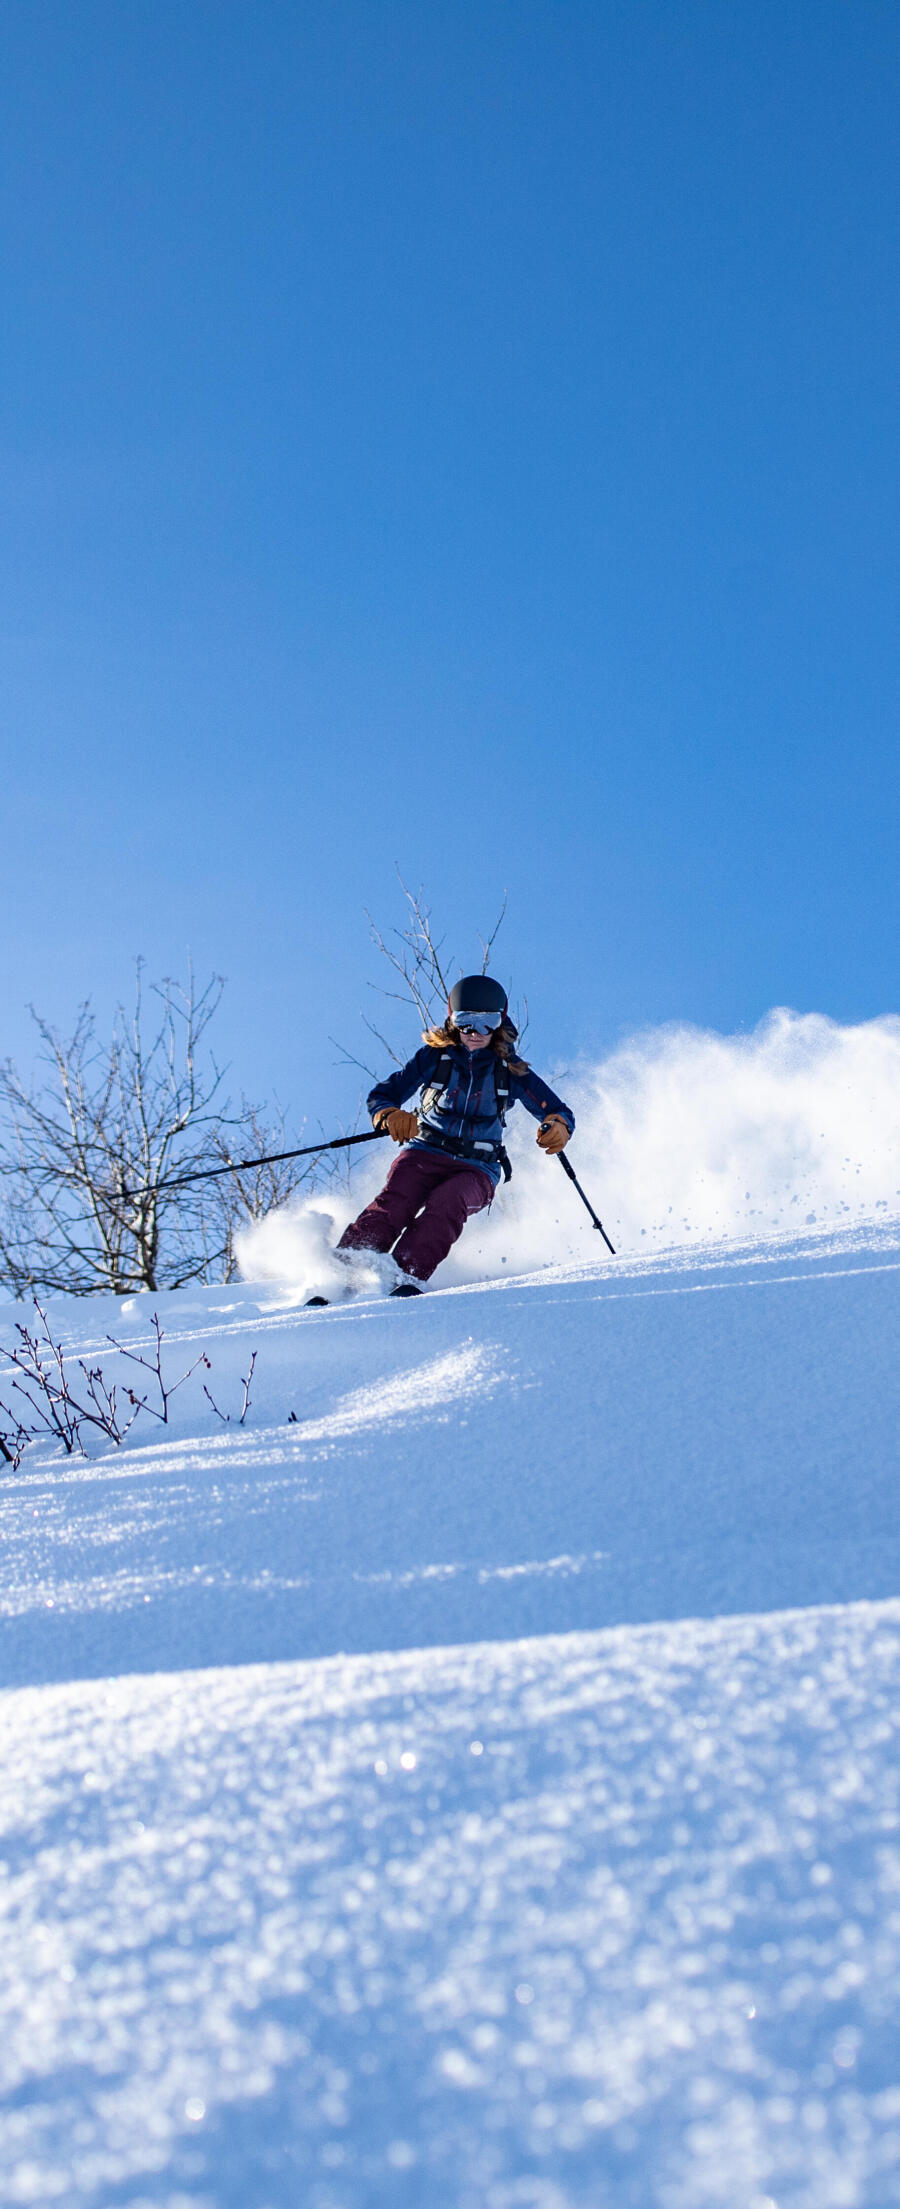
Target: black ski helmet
(476, 993)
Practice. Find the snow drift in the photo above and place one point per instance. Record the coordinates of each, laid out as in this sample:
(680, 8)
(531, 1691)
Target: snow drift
(683, 1137)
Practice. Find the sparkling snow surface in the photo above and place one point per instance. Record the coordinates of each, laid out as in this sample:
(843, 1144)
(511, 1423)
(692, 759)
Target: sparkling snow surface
(481, 1792)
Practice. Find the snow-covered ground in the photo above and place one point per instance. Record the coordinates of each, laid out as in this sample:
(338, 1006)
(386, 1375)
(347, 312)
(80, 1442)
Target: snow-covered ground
(479, 1789)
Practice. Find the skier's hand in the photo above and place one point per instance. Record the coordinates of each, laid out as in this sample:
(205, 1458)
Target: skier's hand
(553, 1134)
(402, 1127)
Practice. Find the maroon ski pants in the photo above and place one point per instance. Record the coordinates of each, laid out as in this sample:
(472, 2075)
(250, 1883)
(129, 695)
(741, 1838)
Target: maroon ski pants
(426, 1200)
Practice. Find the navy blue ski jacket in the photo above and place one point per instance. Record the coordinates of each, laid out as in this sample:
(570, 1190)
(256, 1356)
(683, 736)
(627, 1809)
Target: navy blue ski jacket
(466, 1110)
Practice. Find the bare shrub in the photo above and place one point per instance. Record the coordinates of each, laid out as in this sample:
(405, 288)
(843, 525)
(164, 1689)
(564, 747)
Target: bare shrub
(54, 1406)
(67, 1410)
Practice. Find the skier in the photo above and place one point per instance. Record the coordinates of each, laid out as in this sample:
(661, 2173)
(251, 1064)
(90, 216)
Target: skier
(452, 1152)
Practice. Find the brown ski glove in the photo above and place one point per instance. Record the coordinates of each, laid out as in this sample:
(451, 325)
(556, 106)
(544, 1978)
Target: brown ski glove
(401, 1126)
(553, 1134)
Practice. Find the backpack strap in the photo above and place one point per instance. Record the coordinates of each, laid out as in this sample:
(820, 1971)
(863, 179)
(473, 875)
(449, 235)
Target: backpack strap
(502, 1087)
(502, 1082)
(438, 1081)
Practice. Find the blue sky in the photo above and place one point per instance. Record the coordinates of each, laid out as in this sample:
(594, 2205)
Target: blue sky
(458, 435)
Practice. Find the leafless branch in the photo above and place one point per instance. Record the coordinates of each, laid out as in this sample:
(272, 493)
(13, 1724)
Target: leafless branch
(487, 944)
(153, 1365)
(225, 1416)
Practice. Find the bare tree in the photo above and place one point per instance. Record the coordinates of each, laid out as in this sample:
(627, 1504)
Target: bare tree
(422, 967)
(93, 1153)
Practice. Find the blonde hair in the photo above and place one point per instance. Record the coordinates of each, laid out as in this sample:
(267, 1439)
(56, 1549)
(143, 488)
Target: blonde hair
(502, 1042)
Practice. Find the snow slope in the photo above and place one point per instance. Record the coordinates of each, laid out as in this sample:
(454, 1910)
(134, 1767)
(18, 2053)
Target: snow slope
(481, 1790)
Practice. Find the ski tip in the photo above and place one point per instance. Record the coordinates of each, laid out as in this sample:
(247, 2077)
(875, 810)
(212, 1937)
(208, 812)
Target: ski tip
(406, 1288)
(311, 1300)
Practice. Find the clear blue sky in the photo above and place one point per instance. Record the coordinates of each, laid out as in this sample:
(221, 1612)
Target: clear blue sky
(465, 434)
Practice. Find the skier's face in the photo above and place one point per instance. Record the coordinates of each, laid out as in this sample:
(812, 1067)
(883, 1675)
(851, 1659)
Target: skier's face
(473, 1040)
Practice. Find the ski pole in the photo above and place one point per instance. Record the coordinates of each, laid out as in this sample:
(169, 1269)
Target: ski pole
(585, 1200)
(245, 1165)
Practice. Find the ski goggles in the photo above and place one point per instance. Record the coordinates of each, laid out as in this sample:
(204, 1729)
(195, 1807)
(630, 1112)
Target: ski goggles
(478, 1023)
